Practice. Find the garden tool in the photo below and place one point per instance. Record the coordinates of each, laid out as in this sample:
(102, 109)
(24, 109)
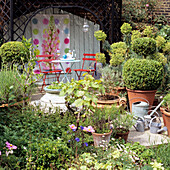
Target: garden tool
(140, 124)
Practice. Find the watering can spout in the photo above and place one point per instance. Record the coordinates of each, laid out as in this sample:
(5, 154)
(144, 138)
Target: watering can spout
(163, 129)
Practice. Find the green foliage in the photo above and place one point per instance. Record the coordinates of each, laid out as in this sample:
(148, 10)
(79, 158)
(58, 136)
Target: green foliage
(135, 34)
(136, 12)
(142, 74)
(123, 121)
(100, 35)
(158, 57)
(148, 31)
(110, 77)
(13, 51)
(126, 28)
(82, 92)
(100, 57)
(48, 154)
(118, 53)
(101, 119)
(166, 48)
(165, 32)
(160, 42)
(144, 46)
(166, 102)
(10, 90)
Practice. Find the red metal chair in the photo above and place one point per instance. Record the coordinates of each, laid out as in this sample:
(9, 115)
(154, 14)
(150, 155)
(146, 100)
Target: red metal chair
(48, 68)
(87, 69)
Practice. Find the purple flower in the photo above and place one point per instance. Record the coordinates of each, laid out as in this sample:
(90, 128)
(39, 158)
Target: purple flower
(36, 71)
(86, 144)
(68, 131)
(77, 139)
(147, 5)
(74, 130)
(81, 127)
(68, 140)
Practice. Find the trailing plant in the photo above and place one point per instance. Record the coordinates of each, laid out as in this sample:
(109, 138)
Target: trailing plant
(142, 74)
(11, 53)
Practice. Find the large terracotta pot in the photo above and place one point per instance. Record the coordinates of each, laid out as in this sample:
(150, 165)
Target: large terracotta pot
(118, 90)
(166, 118)
(121, 135)
(137, 95)
(101, 139)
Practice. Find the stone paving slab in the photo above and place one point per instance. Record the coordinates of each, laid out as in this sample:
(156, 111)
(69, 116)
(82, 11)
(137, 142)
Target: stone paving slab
(146, 138)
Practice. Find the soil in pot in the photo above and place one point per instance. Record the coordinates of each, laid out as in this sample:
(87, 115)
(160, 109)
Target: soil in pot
(123, 134)
(107, 100)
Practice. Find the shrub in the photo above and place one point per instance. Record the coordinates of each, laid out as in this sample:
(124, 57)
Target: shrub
(142, 74)
(48, 154)
(144, 46)
(135, 34)
(100, 57)
(11, 52)
(100, 35)
(126, 28)
(158, 57)
(118, 53)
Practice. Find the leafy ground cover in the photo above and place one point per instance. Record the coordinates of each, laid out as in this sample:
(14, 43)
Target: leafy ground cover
(40, 141)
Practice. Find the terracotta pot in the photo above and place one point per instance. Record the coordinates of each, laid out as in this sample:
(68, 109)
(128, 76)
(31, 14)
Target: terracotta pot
(137, 95)
(101, 139)
(166, 118)
(122, 135)
(108, 103)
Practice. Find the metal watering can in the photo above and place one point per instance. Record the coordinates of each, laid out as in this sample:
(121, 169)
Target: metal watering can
(155, 126)
(140, 108)
(140, 124)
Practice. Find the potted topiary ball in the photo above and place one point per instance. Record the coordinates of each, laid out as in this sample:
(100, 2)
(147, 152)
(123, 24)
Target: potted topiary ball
(142, 77)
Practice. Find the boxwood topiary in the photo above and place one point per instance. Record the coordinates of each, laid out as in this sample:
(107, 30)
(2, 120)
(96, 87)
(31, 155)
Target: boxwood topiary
(142, 74)
(12, 51)
(144, 46)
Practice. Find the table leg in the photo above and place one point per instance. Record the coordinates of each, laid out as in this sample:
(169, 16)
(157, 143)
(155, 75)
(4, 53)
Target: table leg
(65, 74)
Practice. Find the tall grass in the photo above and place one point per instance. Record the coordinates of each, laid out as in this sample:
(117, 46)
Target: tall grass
(10, 90)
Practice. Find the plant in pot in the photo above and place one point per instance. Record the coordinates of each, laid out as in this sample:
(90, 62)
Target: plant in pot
(100, 120)
(109, 79)
(142, 77)
(122, 123)
(165, 109)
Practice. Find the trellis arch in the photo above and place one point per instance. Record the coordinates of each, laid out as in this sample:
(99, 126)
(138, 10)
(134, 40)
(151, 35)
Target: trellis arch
(106, 13)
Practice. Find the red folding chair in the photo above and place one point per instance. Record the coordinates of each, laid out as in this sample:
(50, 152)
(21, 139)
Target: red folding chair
(48, 68)
(87, 57)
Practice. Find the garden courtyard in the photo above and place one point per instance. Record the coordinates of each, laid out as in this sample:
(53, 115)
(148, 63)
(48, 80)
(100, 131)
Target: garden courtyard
(84, 85)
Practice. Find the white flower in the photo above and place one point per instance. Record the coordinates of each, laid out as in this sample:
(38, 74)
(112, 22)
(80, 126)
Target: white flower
(156, 165)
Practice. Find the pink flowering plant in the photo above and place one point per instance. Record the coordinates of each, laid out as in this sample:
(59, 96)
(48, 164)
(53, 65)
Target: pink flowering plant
(100, 120)
(6, 154)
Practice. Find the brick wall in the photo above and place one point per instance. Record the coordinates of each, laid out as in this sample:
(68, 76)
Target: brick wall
(163, 9)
